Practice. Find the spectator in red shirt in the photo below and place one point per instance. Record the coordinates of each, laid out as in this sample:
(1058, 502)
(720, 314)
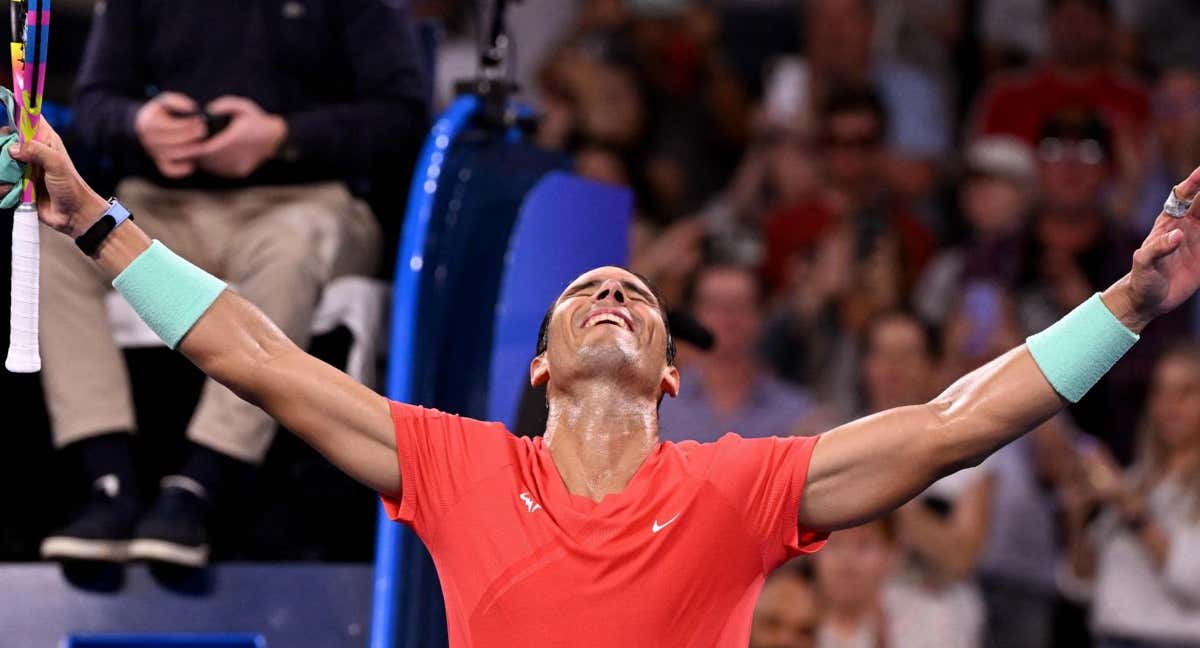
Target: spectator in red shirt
(1079, 73)
(854, 125)
(837, 260)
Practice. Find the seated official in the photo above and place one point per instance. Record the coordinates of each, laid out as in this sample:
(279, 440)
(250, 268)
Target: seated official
(239, 126)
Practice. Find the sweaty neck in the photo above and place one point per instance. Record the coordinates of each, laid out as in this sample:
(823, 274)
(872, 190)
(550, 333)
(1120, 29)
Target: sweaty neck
(599, 434)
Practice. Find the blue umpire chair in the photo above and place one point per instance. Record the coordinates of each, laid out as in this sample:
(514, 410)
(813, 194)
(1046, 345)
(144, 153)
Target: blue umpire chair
(495, 229)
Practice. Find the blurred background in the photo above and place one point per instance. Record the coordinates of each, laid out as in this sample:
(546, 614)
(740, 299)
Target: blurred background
(860, 199)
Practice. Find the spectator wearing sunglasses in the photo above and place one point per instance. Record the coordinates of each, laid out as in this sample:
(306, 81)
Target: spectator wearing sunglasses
(1076, 246)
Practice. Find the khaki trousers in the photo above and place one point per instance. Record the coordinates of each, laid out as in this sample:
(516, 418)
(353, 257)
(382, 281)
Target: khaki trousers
(277, 246)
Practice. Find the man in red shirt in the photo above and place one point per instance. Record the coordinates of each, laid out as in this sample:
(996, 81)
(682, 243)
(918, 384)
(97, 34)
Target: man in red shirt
(599, 534)
(1080, 74)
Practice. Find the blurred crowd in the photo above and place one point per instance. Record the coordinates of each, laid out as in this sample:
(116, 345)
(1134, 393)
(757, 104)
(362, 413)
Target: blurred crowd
(865, 199)
(861, 199)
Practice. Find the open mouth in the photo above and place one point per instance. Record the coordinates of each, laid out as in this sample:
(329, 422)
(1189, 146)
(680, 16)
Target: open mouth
(608, 317)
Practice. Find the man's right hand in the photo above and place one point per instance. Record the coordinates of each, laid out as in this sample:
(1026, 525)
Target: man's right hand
(171, 129)
(64, 201)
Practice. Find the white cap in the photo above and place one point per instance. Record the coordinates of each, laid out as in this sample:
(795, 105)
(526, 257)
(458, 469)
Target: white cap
(1004, 156)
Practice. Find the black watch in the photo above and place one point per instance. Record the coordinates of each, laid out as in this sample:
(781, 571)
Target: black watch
(110, 220)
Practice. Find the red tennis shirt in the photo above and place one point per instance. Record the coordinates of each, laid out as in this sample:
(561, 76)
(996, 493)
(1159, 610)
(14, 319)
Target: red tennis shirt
(676, 559)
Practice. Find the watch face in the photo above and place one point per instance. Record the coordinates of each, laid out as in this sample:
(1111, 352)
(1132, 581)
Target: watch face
(117, 211)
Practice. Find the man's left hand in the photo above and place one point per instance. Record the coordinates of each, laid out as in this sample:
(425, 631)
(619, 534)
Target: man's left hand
(1166, 268)
(252, 137)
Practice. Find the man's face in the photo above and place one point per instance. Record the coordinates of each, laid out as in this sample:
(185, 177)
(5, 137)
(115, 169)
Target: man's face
(854, 565)
(607, 323)
(726, 301)
(854, 148)
(786, 615)
(898, 368)
(995, 207)
(1074, 173)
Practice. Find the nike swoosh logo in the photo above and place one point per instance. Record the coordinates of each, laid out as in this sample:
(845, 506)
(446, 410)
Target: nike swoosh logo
(656, 527)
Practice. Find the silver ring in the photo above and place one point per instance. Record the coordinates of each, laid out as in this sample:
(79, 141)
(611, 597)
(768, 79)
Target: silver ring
(1175, 206)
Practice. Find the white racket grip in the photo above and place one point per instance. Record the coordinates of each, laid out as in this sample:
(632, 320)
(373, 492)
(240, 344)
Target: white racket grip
(23, 355)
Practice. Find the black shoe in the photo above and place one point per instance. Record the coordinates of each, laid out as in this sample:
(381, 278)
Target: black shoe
(102, 530)
(175, 530)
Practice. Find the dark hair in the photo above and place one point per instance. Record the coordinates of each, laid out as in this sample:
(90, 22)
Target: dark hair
(762, 292)
(544, 329)
(930, 334)
(854, 98)
(1078, 124)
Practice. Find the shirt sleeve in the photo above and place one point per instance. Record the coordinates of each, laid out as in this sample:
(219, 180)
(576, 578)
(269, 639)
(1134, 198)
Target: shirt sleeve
(112, 79)
(764, 479)
(441, 457)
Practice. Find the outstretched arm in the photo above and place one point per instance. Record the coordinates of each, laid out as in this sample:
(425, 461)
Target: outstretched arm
(870, 466)
(234, 343)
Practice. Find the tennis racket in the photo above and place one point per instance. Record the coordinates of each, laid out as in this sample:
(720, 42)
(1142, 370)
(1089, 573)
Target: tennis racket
(30, 38)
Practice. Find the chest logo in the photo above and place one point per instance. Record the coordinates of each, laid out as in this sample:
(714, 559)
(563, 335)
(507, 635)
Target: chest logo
(656, 527)
(530, 505)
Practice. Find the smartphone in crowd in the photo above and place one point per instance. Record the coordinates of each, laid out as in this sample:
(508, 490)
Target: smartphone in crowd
(213, 123)
(982, 305)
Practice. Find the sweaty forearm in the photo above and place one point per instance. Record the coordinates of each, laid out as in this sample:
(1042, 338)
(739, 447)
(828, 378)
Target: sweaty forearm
(237, 337)
(868, 467)
(989, 407)
(239, 347)
(1011, 395)
(235, 344)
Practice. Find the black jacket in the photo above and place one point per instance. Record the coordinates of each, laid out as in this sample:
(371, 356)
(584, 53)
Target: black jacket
(346, 74)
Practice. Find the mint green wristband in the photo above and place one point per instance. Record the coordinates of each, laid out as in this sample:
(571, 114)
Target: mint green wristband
(1077, 350)
(167, 292)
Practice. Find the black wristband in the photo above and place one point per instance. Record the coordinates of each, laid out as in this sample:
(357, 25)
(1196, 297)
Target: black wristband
(90, 240)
